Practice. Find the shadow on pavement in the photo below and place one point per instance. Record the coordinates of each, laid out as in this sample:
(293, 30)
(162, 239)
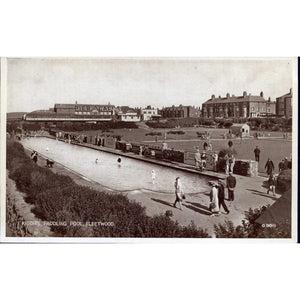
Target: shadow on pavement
(197, 207)
(263, 194)
(162, 202)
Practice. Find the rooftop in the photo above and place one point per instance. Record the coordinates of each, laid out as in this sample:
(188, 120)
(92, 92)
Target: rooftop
(229, 99)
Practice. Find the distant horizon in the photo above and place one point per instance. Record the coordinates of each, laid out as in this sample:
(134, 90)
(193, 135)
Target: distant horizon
(39, 83)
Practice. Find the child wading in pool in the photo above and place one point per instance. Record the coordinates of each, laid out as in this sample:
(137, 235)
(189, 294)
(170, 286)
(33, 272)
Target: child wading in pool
(119, 160)
(153, 176)
(178, 192)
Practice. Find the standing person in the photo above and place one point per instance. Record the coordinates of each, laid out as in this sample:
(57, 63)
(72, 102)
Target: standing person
(271, 183)
(214, 201)
(96, 161)
(153, 175)
(215, 161)
(221, 196)
(231, 184)
(231, 162)
(257, 153)
(286, 163)
(197, 159)
(178, 192)
(269, 166)
(203, 159)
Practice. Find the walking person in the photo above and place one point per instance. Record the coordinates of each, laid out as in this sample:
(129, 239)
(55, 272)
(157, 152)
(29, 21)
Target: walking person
(214, 201)
(221, 196)
(178, 192)
(257, 153)
(269, 166)
(231, 184)
(271, 183)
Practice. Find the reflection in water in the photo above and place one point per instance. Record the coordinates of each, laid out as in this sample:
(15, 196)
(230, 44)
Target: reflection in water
(128, 175)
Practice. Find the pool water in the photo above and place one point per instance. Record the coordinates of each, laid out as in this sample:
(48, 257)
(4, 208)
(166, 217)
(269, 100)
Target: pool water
(131, 175)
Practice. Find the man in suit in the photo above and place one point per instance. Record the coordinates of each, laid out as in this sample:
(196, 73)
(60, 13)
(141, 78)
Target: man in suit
(231, 184)
(257, 153)
(221, 196)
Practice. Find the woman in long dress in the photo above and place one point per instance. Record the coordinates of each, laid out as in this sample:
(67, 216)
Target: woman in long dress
(178, 192)
(214, 200)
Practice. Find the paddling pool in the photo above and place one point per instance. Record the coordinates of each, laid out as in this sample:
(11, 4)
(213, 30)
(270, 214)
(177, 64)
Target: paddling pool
(130, 175)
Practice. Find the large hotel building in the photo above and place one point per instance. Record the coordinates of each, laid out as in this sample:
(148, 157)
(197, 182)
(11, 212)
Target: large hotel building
(244, 106)
(74, 112)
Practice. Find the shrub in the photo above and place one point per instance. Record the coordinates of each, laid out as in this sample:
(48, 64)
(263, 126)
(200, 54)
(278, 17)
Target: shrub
(104, 126)
(251, 229)
(228, 124)
(176, 132)
(153, 133)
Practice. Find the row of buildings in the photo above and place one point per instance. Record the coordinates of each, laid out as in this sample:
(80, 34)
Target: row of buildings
(247, 106)
(231, 106)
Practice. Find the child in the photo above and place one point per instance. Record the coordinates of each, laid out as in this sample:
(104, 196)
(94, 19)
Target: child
(153, 176)
(119, 160)
(271, 182)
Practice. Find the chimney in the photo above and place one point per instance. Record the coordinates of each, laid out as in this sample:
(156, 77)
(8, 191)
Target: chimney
(269, 99)
(262, 94)
(244, 94)
(291, 91)
(219, 97)
(212, 97)
(76, 102)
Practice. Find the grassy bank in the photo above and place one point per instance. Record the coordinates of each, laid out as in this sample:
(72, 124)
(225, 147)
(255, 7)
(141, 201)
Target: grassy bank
(57, 198)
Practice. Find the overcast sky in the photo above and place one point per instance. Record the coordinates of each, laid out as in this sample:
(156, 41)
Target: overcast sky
(40, 83)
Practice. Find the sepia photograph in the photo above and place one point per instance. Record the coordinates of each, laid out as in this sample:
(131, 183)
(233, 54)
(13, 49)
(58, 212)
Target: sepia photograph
(143, 148)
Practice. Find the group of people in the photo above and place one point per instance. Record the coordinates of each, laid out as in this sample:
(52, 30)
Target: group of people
(200, 160)
(217, 194)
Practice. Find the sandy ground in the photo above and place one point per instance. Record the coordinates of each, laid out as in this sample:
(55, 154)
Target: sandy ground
(250, 193)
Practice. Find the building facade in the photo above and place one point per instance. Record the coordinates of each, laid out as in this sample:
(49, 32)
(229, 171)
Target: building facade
(127, 114)
(238, 107)
(284, 105)
(181, 111)
(74, 112)
(148, 112)
(85, 109)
